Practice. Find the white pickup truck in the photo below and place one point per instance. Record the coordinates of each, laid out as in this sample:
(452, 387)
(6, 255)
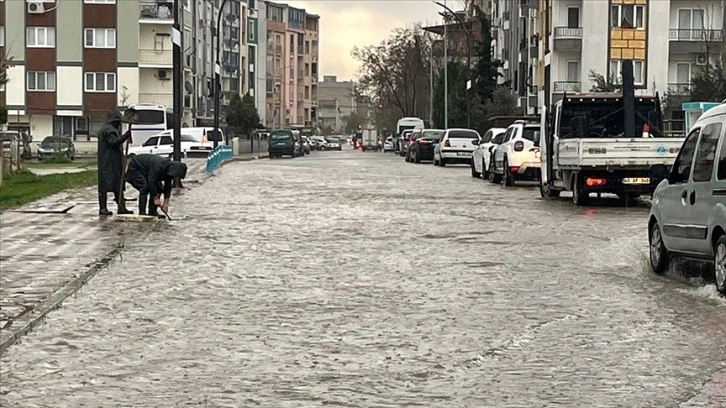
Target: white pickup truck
(588, 148)
(370, 140)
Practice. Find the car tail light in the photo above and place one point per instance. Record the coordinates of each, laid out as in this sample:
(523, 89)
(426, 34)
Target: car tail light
(446, 143)
(518, 146)
(595, 181)
(424, 141)
(513, 169)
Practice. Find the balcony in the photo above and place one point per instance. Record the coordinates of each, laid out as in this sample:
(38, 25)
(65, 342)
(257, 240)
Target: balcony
(156, 13)
(567, 86)
(679, 89)
(568, 39)
(678, 34)
(156, 98)
(278, 49)
(155, 58)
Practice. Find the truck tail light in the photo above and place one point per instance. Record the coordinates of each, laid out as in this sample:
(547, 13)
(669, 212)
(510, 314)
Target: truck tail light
(518, 146)
(595, 181)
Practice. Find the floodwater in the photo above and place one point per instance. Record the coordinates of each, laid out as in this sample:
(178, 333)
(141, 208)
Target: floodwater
(353, 279)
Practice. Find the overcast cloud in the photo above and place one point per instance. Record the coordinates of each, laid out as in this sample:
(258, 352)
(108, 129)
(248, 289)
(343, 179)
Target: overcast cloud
(345, 24)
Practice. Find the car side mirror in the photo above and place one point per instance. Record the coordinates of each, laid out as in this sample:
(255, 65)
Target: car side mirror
(475, 142)
(491, 149)
(659, 172)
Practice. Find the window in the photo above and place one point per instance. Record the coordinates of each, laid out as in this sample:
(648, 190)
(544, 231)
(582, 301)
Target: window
(722, 163)
(690, 19)
(627, 16)
(683, 74)
(2, 36)
(41, 81)
(307, 47)
(101, 38)
(99, 1)
(573, 17)
(41, 37)
(616, 75)
(100, 82)
(573, 71)
(152, 141)
(682, 166)
(166, 140)
(307, 92)
(706, 154)
(274, 13)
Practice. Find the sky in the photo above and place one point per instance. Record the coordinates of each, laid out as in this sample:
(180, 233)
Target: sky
(345, 24)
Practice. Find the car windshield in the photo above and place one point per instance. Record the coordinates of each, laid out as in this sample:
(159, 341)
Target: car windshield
(531, 134)
(54, 140)
(280, 135)
(433, 134)
(463, 134)
(333, 140)
(188, 138)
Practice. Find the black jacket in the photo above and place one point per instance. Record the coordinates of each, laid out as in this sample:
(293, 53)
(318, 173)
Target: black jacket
(158, 172)
(110, 155)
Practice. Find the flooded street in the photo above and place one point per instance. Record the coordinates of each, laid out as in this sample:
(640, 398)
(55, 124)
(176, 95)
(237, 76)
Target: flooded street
(353, 279)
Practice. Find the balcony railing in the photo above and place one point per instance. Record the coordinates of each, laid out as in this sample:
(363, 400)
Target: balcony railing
(154, 11)
(155, 57)
(156, 98)
(681, 89)
(568, 86)
(680, 34)
(568, 33)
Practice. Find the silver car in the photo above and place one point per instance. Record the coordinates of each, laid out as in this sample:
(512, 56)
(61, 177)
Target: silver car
(688, 211)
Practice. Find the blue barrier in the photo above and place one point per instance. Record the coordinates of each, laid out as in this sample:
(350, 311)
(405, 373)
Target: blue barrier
(217, 156)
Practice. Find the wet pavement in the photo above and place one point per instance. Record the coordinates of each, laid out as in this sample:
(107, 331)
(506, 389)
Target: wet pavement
(356, 279)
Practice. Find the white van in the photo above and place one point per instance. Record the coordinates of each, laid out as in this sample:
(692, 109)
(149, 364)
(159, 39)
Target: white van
(688, 211)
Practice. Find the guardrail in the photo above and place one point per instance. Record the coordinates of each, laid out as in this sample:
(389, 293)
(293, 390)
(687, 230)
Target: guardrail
(217, 156)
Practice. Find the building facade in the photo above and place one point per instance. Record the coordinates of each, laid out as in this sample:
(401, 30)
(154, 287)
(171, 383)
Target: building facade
(69, 62)
(336, 101)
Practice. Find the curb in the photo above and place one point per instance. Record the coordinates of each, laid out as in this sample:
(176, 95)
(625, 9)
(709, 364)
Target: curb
(36, 315)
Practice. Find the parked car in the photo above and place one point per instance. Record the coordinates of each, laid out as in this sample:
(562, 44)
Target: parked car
(318, 143)
(415, 134)
(388, 144)
(688, 210)
(282, 143)
(405, 140)
(518, 156)
(163, 145)
(482, 154)
(55, 145)
(455, 146)
(333, 143)
(299, 146)
(422, 147)
(22, 138)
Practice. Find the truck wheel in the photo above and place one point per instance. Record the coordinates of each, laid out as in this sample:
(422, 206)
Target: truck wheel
(579, 196)
(659, 256)
(508, 176)
(474, 173)
(719, 263)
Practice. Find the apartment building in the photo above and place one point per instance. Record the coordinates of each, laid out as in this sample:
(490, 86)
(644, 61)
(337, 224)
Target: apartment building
(336, 100)
(667, 40)
(291, 65)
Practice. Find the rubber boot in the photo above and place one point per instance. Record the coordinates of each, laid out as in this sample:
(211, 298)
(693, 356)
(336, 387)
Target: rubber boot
(103, 205)
(121, 205)
(143, 198)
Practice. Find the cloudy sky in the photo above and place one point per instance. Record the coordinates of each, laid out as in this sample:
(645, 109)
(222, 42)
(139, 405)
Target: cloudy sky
(348, 23)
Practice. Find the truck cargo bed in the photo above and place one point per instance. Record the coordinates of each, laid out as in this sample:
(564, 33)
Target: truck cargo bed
(616, 153)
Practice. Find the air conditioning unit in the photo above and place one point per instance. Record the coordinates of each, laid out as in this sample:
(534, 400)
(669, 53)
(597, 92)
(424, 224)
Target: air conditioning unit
(163, 74)
(36, 8)
(701, 59)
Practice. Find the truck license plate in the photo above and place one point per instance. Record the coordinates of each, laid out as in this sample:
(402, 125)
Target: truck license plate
(636, 180)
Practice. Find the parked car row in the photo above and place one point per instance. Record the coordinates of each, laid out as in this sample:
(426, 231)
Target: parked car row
(287, 142)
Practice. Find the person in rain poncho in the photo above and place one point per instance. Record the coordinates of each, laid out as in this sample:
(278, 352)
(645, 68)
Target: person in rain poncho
(110, 163)
(153, 176)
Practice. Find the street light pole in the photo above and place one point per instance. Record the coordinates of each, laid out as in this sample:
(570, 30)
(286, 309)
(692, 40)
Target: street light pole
(177, 86)
(217, 73)
(468, 58)
(446, 78)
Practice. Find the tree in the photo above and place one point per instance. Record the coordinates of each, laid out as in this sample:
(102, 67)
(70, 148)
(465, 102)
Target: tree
(709, 84)
(353, 122)
(486, 71)
(396, 72)
(601, 83)
(241, 115)
(502, 103)
(457, 98)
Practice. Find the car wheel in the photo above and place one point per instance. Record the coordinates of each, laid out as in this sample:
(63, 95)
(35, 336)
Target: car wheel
(442, 162)
(719, 264)
(579, 195)
(407, 158)
(416, 158)
(508, 176)
(494, 178)
(658, 253)
(474, 173)
(485, 174)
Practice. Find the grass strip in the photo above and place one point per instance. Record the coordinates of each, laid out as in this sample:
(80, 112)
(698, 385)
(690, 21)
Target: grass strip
(25, 187)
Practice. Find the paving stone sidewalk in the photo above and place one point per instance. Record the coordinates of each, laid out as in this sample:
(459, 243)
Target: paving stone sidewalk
(42, 255)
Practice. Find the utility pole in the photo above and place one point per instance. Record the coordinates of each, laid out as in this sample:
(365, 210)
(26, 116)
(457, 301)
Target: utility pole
(468, 60)
(217, 73)
(446, 76)
(177, 85)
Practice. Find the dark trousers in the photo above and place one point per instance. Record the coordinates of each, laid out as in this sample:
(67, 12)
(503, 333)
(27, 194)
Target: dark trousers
(137, 179)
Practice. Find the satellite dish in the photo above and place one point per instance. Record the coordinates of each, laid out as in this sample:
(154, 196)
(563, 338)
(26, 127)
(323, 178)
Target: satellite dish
(189, 87)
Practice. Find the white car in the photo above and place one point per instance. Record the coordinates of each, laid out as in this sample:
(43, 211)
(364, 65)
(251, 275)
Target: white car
(688, 209)
(518, 156)
(388, 144)
(332, 143)
(482, 154)
(455, 146)
(162, 145)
